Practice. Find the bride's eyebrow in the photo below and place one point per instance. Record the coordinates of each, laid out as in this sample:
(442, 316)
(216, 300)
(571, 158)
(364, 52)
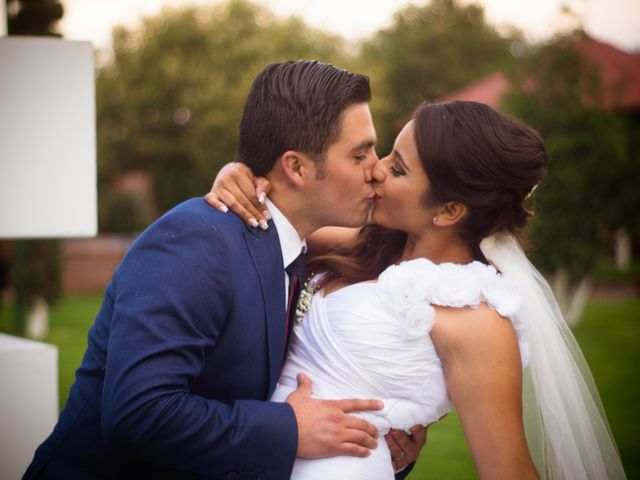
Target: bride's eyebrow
(400, 160)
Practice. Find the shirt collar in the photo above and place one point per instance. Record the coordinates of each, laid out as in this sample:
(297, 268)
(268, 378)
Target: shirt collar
(290, 242)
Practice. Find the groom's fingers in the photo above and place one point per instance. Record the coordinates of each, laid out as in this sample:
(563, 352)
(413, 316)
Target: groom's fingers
(304, 385)
(355, 425)
(358, 405)
(353, 450)
(362, 437)
(326, 429)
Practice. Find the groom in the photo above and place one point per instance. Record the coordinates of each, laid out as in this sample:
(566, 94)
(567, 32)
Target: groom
(191, 336)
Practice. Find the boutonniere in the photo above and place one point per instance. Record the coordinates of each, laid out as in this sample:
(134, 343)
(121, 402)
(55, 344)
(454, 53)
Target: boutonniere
(306, 297)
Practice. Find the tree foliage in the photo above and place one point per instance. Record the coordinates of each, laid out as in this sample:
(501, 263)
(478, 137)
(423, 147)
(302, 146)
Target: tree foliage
(170, 101)
(591, 186)
(429, 52)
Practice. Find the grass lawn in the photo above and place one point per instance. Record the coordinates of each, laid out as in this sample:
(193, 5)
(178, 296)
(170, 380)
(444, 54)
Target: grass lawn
(609, 335)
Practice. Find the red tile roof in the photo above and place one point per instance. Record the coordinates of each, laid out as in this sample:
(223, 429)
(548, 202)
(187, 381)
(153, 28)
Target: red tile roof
(619, 70)
(489, 90)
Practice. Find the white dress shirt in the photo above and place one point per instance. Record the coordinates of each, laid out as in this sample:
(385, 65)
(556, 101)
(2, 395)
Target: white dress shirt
(290, 242)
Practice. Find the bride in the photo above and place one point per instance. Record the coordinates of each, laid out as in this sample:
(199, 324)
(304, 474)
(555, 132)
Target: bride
(433, 304)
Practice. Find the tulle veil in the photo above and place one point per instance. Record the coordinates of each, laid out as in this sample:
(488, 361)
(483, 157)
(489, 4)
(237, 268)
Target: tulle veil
(566, 427)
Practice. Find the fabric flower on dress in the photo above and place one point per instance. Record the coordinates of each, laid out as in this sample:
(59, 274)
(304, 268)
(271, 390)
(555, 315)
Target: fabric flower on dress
(412, 287)
(408, 283)
(416, 321)
(407, 290)
(457, 287)
(502, 295)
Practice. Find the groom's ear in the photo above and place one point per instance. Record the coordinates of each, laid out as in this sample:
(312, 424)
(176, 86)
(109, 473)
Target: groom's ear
(451, 213)
(295, 167)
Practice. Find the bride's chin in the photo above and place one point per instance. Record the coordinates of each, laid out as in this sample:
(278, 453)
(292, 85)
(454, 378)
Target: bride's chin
(376, 218)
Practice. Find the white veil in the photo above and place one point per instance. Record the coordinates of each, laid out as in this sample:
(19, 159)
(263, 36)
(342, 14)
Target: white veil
(566, 427)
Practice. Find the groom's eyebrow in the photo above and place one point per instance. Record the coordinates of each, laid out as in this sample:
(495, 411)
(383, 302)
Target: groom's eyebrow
(400, 160)
(365, 145)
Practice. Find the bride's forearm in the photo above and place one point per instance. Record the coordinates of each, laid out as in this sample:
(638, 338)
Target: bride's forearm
(325, 239)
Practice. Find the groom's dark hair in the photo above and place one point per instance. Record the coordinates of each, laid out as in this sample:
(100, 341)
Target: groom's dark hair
(296, 106)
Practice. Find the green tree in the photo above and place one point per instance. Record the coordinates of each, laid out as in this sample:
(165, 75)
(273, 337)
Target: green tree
(591, 186)
(170, 101)
(429, 52)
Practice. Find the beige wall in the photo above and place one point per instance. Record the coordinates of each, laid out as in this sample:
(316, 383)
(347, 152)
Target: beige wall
(89, 264)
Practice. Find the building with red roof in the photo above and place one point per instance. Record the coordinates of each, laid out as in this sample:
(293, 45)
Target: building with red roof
(619, 73)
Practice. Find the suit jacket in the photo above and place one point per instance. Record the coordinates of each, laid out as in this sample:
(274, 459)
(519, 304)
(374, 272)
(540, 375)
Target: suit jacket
(187, 346)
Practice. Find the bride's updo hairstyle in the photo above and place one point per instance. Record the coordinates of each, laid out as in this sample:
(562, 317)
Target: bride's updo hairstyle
(486, 160)
(471, 154)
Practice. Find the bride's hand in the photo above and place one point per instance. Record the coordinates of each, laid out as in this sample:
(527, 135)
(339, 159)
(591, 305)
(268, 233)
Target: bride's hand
(405, 449)
(235, 188)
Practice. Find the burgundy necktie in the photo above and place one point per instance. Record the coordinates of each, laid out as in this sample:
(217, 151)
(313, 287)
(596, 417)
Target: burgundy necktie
(296, 272)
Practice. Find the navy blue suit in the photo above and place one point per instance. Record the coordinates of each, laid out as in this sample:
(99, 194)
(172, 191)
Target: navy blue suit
(187, 346)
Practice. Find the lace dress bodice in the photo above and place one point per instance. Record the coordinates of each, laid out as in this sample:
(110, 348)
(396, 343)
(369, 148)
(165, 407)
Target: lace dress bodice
(371, 340)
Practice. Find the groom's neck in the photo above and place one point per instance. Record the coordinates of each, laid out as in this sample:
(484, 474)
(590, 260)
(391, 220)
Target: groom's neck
(294, 209)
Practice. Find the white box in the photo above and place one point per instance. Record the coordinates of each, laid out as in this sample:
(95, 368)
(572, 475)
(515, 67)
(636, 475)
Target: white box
(48, 185)
(28, 401)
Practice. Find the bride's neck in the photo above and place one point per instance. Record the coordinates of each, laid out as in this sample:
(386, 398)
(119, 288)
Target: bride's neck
(437, 248)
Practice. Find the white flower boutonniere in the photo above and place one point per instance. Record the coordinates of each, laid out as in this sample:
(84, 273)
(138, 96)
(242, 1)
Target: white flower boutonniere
(306, 297)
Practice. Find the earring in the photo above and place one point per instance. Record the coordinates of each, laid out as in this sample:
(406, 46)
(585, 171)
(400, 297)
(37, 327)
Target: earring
(435, 219)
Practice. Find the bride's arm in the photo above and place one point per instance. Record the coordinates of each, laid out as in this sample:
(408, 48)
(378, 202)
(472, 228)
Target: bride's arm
(235, 188)
(481, 361)
(327, 238)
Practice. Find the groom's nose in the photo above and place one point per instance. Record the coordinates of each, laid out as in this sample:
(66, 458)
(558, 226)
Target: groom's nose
(378, 174)
(368, 172)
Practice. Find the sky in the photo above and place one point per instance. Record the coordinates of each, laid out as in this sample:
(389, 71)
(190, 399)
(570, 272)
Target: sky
(613, 21)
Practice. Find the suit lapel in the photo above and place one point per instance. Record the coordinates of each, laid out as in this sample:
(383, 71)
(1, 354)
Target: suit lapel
(266, 254)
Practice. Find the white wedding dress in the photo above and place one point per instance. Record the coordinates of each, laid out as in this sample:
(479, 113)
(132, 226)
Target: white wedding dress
(371, 340)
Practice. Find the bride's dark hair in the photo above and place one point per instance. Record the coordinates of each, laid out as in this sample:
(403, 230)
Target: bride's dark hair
(472, 154)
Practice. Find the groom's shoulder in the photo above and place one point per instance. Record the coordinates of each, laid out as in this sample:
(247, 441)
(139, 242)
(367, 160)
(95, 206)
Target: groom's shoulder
(196, 213)
(196, 223)
(190, 229)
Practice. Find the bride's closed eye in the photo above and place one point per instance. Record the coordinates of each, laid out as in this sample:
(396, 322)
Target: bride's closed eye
(396, 172)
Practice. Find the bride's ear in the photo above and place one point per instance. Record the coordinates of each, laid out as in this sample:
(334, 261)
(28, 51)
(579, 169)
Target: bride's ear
(450, 213)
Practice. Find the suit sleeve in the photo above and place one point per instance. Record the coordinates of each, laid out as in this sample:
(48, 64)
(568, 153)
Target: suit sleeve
(171, 301)
(404, 473)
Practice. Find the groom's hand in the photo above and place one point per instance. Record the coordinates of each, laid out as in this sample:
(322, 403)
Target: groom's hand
(324, 427)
